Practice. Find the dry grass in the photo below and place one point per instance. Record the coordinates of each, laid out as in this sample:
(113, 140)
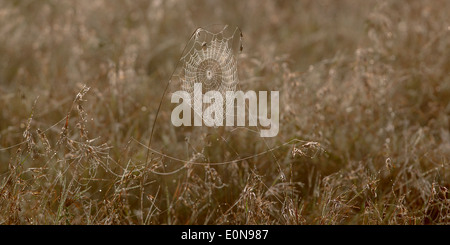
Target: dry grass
(368, 81)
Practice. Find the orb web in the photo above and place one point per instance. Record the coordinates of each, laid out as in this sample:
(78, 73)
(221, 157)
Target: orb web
(210, 61)
(208, 58)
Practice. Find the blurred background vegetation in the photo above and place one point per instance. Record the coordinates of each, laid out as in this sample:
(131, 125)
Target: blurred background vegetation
(364, 84)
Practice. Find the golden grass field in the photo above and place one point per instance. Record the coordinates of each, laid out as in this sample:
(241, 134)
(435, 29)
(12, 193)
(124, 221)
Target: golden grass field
(364, 119)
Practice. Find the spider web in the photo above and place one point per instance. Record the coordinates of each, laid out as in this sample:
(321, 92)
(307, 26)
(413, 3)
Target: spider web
(209, 58)
(211, 61)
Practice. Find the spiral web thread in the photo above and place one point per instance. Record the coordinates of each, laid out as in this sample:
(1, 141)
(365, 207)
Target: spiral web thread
(210, 60)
